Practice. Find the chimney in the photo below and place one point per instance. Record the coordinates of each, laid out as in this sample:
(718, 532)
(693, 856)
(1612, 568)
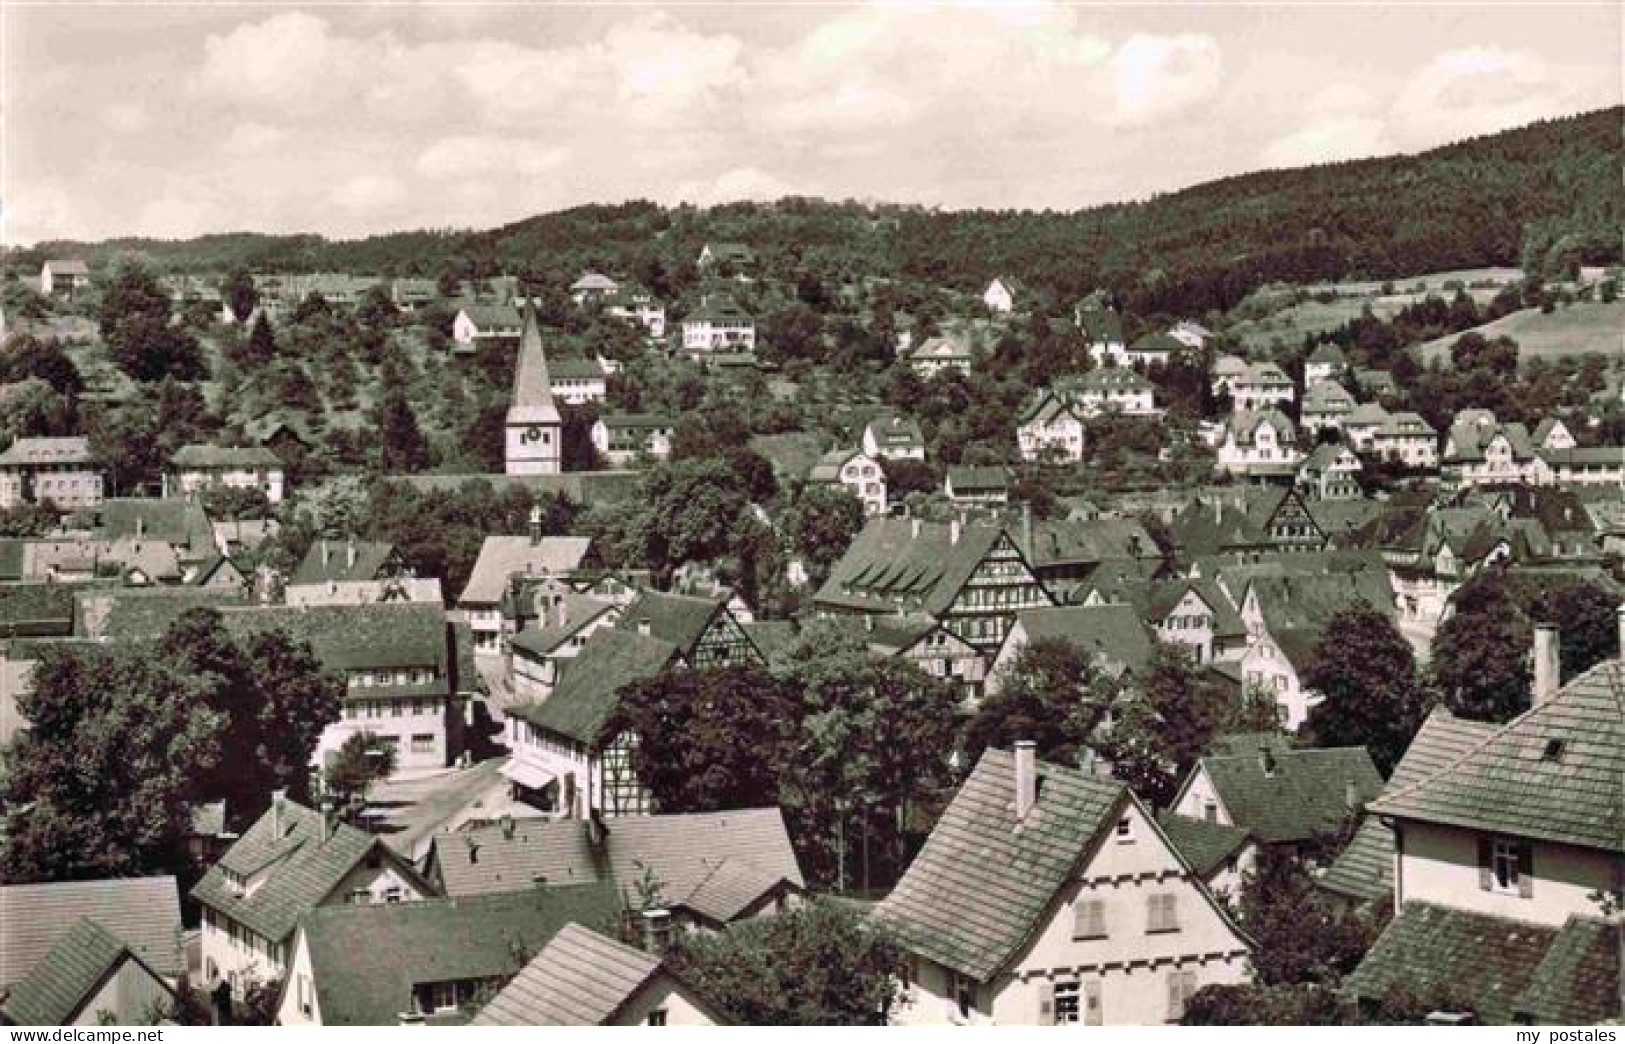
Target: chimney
(506, 824)
(1548, 666)
(327, 554)
(914, 528)
(1266, 761)
(644, 628)
(278, 796)
(326, 824)
(535, 525)
(140, 527)
(1027, 529)
(349, 554)
(954, 527)
(1026, 777)
(1351, 796)
(656, 930)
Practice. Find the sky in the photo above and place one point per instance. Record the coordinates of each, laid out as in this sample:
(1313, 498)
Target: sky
(177, 119)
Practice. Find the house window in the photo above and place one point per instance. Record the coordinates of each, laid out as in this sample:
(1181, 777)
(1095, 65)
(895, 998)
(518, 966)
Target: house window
(963, 991)
(1125, 830)
(1210, 811)
(423, 743)
(1181, 984)
(1510, 871)
(1089, 919)
(656, 1018)
(360, 896)
(393, 894)
(1066, 1003)
(1162, 912)
(445, 996)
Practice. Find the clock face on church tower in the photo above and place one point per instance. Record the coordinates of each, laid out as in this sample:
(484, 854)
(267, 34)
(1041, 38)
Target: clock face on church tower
(531, 434)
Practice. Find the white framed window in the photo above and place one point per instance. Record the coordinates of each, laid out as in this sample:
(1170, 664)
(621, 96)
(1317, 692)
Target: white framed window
(1089, 919)
(656, 1018)
(1162, 912)
(1067, 1009)
(1181, 984)
(1124, 832)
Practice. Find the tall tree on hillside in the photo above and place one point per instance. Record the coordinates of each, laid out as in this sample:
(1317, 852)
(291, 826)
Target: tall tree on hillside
(821, 524)
(1365, 673)
(239, 293)
(1480, 656)
(402, 447)
(135, 323)
(24, 356)
(260, 348)
(100, 783)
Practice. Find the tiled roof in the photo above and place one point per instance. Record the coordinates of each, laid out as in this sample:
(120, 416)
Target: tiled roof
(978, 889)
(72, 267)
(203, 456)
(532, 387)
(942, 348)
(1112, 634)
(343, 560)
(1308, 602)
(889, 567)
(1157, 344)
(174, 521)
(890, 430)
(35, 610)
(1166, 596)
(1205, 845)
(72, 449)
(365, 960)
(493, 316)
(581, 978)
(828, 468)
(1244, 424)
(971, 478)
(503, 556)
(681, 620)
(574, 368)
(554, 626)
(58, 987)
(715, 863)
(594, 281)
(1116, 378)
(1100, 325)
(589, 686)
(1098, 540)
(1552, 773)
(307, 869)
(1577, 982)
(1365, 869)
(632, 421)
(144, 912)
(142, 614)
(1488, 960)
(1300, 794)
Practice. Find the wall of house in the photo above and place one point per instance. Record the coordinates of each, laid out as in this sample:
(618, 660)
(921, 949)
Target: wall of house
(1439, 864)
(290, 1012)
(271, 482)
(1266, 667)
(662, 994)
(131, 996)
(1196, 798)
(929, 999)
(1190, 624)
(430, 739)
(383, 883)
(236, 961)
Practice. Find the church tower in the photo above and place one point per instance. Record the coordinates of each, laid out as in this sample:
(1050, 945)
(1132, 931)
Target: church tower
(534, 430)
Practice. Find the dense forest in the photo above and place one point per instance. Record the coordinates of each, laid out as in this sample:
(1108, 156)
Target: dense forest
(1543, 196)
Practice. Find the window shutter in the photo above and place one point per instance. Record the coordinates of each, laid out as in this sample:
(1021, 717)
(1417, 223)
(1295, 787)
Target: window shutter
(1175, 1008)
(1089, 919)
(1170, 912)
(1153, 913)
(1526, 870)
(1091, 1003)
(1046, 1004)
(1486, 879)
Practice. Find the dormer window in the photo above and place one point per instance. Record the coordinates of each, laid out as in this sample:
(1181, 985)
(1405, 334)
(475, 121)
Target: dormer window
(1125, 831)
(1554, 750)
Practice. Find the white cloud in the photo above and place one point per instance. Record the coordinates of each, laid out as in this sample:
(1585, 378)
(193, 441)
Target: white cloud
(738, 184)
(370, 193)
(1158, 77)
(286, 59)
(472, 155)
(1342, 122)
(252, 139)
(1477, 90)
(127, 118)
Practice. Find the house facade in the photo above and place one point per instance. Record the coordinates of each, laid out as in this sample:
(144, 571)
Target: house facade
(863, 475)
(623, 437)
(718, 325)
(60, 471)
(1051, 428)
(198, 468)
(485, 324)
(1262, 444)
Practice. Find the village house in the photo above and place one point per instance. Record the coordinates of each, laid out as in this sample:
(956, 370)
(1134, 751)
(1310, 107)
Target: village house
(943, 352)
(1111, 637)
(566, 760)
(1220, 855)
(1261, 444)
(78, 950)
(502, 560)
(713, 868)
(889, 436)
(1155, 349)
(1325, 363)
(1331, 471)
(1051, 427)
(1553, 434)
(1408, 440)
(634, 304)
(426, 962)
(1285, 797)
(1326, 405)
(63, 279)
(412, 293)
(1192, 335)
(621, 438)
(1067, 553)
(200, 467)
(1362, 423)
(1584, 466)
(577, 381)
(533, 441)
(1502, 856)
(1114, 389)
(1048, 896)
(1102, 331)
(1003, 295)
(1195, 615)
(1226, 369)
(719, 324)
(727, 259)
(1375, 384)
(485, 325)
(592, 288)
(59, 471)
(1259, 386)
(1480, 450)
(926, 643)
(706, 630)
(563, 622)
(584, 978)
(971, 578)
(978, 485)
(332, 566)
(863, 475)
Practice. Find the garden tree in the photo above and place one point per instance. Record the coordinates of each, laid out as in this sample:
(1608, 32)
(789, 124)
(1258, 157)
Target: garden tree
(449, 283)
(710, 739)
(134, 316)
(24, 356)
(1480, 655)
(1587, 626)
(1052, 694)
(239, 293)
(362, 760)
(905, 475)
(821, 964)
(27, 520)
(576, 451)
(274, 698)
(32, 408)
(1474, 351)
(402, 447)
(21, 301)
(313, 306)
(376, 309)
(100, 783)
(1302, 934)
(235, 502)
(260, 348)
(1365, 672)
(692, 512)
(139, 436)
(1250, 1004)
(820, 524)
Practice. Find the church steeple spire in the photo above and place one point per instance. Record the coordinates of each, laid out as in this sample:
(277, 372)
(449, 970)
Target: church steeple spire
(534, 429)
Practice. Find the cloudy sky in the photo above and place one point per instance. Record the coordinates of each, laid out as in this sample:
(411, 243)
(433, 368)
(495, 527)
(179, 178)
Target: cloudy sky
(346, 119)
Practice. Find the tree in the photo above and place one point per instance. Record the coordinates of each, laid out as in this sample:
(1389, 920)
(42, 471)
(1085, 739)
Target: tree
(1587, 625)
(402, 446)
(1050, 694)
(23, 356)
(1301, 934)
(260, 347)
(239, 293)
(819, 965)
(362, 760)
(1480, 661)
(134, 315)
(1365, 673)
(100, 783)
(692, 513)
(821, 524)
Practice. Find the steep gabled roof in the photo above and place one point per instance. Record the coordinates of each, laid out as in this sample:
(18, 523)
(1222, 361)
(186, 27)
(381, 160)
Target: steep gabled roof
(366, 960)
(1552, 773)
(1577, 982)
(1291, 795)
(59, 986)
(143, 912)
(199, 455)
(891, 565)
(1205, 845)
(589, 686)
(71, 449)
(1111, 634)
(503, 556)
(532, 387)
(343, 560)
(581, 978)
(978, 889)
(681, 620)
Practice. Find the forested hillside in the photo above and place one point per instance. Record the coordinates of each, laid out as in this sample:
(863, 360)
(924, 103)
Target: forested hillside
(1543, 196)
